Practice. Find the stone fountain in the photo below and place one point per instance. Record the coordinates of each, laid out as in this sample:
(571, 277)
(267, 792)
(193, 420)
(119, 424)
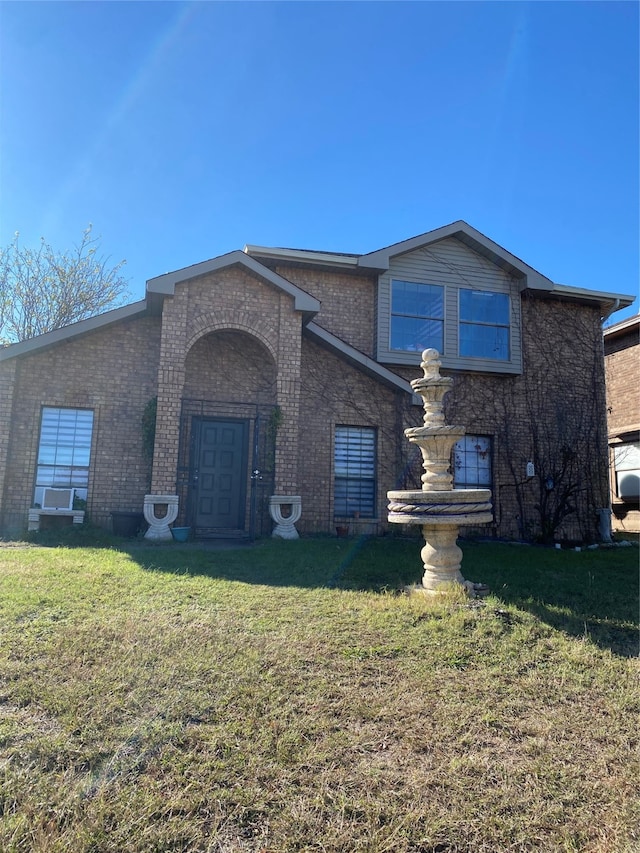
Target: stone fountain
(439, 508)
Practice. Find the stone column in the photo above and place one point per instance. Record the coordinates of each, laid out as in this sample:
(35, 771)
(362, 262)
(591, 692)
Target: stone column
(171, 376)
(287, 439)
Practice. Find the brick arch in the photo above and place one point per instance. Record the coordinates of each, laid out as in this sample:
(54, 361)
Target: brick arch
(237, 321)
(230, 364)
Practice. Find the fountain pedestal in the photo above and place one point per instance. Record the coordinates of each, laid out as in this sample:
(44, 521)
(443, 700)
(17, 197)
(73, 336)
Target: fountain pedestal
(440, 516)
(438, 508)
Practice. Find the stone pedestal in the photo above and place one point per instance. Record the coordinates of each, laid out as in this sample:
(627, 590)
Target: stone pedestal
(441, 556)
(285, 525)
(440, 515)
(159, 530)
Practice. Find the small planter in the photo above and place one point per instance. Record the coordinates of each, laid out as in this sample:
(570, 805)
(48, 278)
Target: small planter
(342, 531)
(180, 534)
(126, 523)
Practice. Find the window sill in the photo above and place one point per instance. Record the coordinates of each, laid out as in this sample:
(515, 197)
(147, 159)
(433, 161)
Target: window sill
(33, 519)
(471, 365)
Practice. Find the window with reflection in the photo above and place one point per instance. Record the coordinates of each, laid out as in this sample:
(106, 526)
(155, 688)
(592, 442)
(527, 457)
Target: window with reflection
(64, 451)
(417, 316)
(484, 328)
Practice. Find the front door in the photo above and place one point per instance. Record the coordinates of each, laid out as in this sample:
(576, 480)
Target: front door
(218, 474)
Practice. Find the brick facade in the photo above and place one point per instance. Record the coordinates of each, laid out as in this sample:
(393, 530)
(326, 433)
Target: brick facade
(113, 372)
(230, 340)
(622, 370)
(339, 294)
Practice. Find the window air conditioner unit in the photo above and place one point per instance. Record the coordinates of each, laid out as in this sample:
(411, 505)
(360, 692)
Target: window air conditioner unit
(58, 499)
(629, 485)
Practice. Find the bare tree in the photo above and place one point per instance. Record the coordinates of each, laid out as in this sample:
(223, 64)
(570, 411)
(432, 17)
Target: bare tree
(553, 415)
(44, 289)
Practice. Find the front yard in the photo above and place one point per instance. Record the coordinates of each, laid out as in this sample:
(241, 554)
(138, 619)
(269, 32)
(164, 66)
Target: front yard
(285, 698)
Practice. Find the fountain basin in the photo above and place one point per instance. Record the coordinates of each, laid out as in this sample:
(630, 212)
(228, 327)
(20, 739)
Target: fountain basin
(440, 515)
(454, 506)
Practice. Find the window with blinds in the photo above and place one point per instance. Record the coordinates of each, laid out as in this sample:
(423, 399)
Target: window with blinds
(355, 470)
(64, 451)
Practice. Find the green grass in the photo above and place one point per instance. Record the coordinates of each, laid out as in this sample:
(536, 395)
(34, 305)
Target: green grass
(284, 698)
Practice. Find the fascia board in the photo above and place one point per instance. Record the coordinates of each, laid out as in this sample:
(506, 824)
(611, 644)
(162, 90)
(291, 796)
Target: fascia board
(66, 333)
(166, 284)
(359, 359)
(302, 255)
(602, 296)
(622, 326)
(470, 237)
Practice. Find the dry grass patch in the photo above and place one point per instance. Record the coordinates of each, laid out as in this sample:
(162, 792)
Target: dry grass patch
(158, 700)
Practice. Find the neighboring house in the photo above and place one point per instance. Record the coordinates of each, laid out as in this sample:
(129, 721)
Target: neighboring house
(284, 373)
(622, 371)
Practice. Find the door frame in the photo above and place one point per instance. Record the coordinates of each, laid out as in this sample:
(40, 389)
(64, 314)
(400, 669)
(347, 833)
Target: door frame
(260, 477)
(196, 425)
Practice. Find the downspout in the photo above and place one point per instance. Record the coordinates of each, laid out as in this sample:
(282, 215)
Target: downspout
(616, 305)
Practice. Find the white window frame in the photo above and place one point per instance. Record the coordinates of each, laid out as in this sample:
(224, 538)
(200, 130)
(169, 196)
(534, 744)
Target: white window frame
(626, 463)
(450, 352)
(64, 451)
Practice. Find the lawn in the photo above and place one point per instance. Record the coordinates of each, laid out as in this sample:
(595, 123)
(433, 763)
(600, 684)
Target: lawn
(285, 697)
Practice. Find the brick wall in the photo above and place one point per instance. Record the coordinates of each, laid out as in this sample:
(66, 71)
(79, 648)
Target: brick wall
(553, 415)
(622, 360)
(7, 388)
(335, 393)
(230, 335)
(230, 365)
(111, 371)
(348, 303)
(622, 366)
(230, 300)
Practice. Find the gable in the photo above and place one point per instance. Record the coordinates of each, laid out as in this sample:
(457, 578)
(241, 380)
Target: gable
(165, 285)
(449, 267)
(464, 233)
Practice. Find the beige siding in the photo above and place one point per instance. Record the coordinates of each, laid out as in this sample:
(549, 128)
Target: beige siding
(452, 264)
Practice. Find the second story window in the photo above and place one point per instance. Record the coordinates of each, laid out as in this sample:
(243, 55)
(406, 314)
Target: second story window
(484, 324)
(417, 316)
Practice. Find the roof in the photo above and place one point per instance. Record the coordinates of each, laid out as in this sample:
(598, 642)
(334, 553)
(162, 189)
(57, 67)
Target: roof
(623, 327)
(165, 285)
(357, 358)
(159, 287)
(380, 259)
(74, 330)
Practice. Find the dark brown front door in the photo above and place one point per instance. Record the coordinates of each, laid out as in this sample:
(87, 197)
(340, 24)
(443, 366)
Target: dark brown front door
(219, 473)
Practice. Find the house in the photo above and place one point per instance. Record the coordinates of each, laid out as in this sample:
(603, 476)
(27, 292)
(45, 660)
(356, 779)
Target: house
(622, 371)
(276, 380)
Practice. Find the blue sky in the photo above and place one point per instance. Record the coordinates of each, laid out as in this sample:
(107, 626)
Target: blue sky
(185, 130)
